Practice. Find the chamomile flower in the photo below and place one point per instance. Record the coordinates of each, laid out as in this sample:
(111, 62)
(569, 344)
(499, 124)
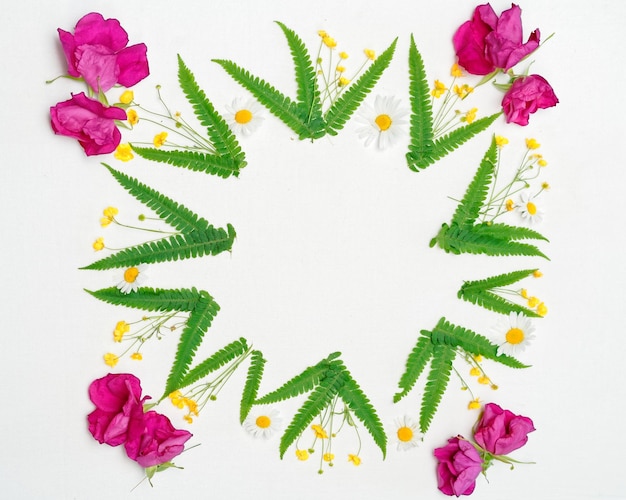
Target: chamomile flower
(528, 208)
(383, 123)
(407, 433)
(262, 423)
(244, 116)
(132, 279)
(517, 333)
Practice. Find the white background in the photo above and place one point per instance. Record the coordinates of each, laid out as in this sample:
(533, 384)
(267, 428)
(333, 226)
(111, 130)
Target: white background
(331, 255)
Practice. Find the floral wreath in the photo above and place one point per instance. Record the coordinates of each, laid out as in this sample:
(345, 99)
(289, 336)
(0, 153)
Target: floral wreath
(487, 45)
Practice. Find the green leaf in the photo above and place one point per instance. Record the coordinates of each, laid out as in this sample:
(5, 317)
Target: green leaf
(198, 323)
(498, 281)
(438, 379)
(504, 231)
(357, 401)
(222, 138)
(420, 148)
(210, 241)
(214, 362)
(339, 113)
(415, 364)
(176, 215)
(251, 387)
(151, 299)
(222, 166)
(319, 399)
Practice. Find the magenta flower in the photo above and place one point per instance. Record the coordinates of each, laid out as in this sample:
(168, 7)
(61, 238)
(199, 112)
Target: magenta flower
(89, 122)
(118, 401)
(153, 440)
(526, 95)
(500, 431)
(486, 43)
(459, 466)
(98, 52)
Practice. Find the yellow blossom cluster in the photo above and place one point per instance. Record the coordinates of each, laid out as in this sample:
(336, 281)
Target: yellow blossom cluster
(180, 401)
(534, 303)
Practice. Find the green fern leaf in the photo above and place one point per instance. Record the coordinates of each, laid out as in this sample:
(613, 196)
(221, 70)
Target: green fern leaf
(445, 333)
(281, 106)
(211, 241)
(151, 299)
(420, 148)
(415, 364)
(498, 281)
(438, 379)
(222, 166)
(469, 209)
(340, 112)
(319, 399)
(359, 404)
(222, 138)
(176, 215)
(251, 387)
(504, 231)
(495, 303)
(214, 362)
(308, 92)
(198, 323)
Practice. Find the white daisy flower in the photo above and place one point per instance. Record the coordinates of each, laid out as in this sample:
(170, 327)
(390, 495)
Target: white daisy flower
(528, 208)
(407, 433)
(262, 423)
(133, 278)
(517, 333)
(382, 123)
(244, 116)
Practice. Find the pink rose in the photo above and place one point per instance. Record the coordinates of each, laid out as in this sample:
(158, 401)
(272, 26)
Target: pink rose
(97, 52)
(88, 121)
(487, 42)
(153, 440)
(500, 432)
(526, 95)
(459, 466)
(118, 401)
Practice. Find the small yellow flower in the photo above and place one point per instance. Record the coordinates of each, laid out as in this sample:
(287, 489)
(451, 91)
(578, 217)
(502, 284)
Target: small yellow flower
(501, 141)
(542, 309)
(340, 69)
(328, 457)
(159, 139)
(537, 274)
(478, 358)
(302, 455)
(542, 162)
(509, 205)
(120, 329)
(370, 54)
(110, 359)
(470, 116)
(438, 89)
(188, 419)
(532, 144)
(132, 117)
(463, 91)
(533, 302)
(343, 55)
(343, 81)
(329, 41)
(545, 186)
(177, 399)
(494, 387)
(475, 372)
(322, 34)
(524, 293)
(319, 431)
(456, 71)
(483, 380)
(127, 97)
(98, 244)
(123, 152)
(474, 404)
(355, 459)
(136, 356)
(109, 215)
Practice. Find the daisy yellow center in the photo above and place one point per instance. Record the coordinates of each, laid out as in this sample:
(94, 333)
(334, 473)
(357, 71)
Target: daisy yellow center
(130, 275)
(515, 336)
(243, 116)
(405, 434)
(531, 207)
(383, 122)
(263, 422)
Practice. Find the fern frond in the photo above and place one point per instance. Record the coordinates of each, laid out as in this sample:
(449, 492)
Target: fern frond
(251, 387)
(342, 109)
(176, 215)
(214, 362)
(495, 303)
(222, 137)
(319, 399)
(469, 208)
(306, 78)
(352, 395)
(300, 384)
(498, 281)
(504, 231)
(415, 364)
(418, 156)
(438, 378)
(277, 103)
(210, 241)
(150, 299)
(222, 166)
(198, 323)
